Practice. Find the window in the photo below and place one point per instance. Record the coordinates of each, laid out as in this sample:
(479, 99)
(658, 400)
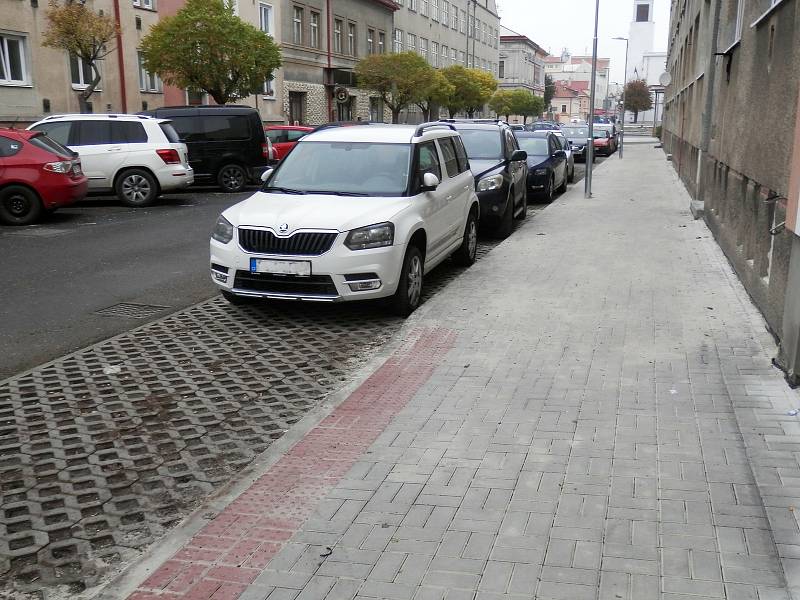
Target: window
(454, 19)
(462, 57)
(398, 40)
(148, 4)
(269, 89)
(411, 42)
(449, 154)
(445, 13)
(461, 154)
(9, 147)
(381, 42)
(314, 25)
(435, 10)
(642, 13)
(376, 110)
(351, 39)
(297, 108)
(265, 18)
(423, 7)
(370, 41)
(80, 72)
(453, 55)
(148, 82)
(445, 54)
(12, 59)
(412, 4)
(297, 25)
(127, 132)
(435, 54)
(563, 108)
(501, 72)
(463, 28)
(471, 27)
(92, 133)
(427, 162)
(739, 19)
(423, 48)
(337, 35)
(58, 131)
(293, 135)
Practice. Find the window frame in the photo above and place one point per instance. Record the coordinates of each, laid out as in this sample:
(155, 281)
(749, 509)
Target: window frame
(338, 41)
(397, 41)
(313, 25)
(297, 24)
(5, 59)
(370, 40)
(270, 24)
(145, 78)
(419, 174)
(82, 67)
(381, 42)
(352, 39)
(442, 141)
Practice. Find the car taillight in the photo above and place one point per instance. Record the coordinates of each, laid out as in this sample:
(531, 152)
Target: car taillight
(76, 168)
(265, 150)
(62, 166)
(170, 156)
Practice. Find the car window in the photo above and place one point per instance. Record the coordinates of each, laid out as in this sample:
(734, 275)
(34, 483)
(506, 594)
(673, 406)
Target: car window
(428, 161)
(461, 154)
(92, 133)
(482, 143)
(190, 129)
(293, 135)
(9, 147)
(226, 127)
(277, 136)
(127, 132)
(509, 142)
(170, 133)
(50, 145)
(534, 146)
(450, 158)
(58, 131)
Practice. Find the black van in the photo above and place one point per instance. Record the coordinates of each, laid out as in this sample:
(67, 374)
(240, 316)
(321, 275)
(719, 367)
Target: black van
(227, 145)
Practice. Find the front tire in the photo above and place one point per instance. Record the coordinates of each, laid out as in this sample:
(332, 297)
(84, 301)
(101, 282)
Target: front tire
(549, 190)
(468, 250)
(563, 187)
(19, 205)
(506, 225)
(232, 178)
(571, 177)
(409, 290)
(136, 187)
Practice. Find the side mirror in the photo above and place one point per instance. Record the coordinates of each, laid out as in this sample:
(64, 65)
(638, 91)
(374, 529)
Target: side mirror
(429, 182)
(266, 174)
(518, 155)
(559, 154)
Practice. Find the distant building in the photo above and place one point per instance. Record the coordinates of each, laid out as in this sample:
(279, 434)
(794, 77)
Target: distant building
(643, 62)
(569, 103)
(568, 68)
(521, 62)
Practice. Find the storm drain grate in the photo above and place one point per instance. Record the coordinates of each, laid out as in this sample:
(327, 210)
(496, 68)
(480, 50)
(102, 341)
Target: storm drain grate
(131, 310)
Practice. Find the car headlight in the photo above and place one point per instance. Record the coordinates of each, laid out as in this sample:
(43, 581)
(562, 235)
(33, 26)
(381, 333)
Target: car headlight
(492, 182)
(371, 236)
(223, 230)
(540, 172)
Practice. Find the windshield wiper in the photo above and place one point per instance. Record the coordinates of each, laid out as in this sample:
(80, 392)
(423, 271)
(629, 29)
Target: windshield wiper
(335, 193)
(272, 188)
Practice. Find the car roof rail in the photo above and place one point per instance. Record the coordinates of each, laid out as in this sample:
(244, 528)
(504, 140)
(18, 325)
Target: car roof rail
(433, 124)
(334, 124)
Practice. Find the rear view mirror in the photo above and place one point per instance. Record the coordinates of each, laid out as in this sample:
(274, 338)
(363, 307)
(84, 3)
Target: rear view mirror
(559, 154)
(265, 175)
(519, 155)
(429, 182)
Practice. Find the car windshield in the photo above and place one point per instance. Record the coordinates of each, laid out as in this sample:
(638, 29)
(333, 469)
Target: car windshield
(576, 132)
(535, 146)
(49, 144)
(482, 143)
(358, 168)
(600, 135)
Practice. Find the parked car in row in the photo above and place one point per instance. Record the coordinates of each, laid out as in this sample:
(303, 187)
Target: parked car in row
(136, 157)
(578, 137)
(352, 213)
(612, 132)
(284, 137)
(37, 175)
(542, 126)
(604, 143)
(500, 171)
(227, 144)
(548, 170)
(566, 146)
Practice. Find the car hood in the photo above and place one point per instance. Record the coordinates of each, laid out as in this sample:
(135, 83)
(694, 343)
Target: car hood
(313, 211)
(479, 166)
(578, 140)
(534, 162)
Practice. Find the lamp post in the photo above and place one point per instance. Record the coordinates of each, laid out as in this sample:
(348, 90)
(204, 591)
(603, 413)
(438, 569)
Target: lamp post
(624, 83)
(587, 181)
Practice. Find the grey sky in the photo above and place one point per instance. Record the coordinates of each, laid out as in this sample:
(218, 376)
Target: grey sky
(555, 24)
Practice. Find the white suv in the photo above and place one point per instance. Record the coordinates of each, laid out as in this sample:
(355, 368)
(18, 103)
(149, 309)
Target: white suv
(352, 213)
(135, 156)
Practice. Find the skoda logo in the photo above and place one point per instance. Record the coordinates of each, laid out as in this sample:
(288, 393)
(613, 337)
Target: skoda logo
(283, 227)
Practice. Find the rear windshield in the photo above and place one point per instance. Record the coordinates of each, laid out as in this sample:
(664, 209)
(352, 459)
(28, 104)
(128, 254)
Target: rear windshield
(49, 144)
(170, 132)
(576, 131)
(534, 146)
(482, 143)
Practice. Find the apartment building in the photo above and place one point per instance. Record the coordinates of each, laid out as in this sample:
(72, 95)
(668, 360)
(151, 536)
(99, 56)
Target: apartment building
(521, 62)
(570, 69)
(36, 81)
(729, 123)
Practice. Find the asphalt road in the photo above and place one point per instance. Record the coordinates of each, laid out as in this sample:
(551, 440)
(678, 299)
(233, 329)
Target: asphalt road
(92, 256)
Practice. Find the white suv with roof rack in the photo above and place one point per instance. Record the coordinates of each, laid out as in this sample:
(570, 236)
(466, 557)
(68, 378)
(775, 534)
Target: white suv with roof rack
(354, 212)
(136, 157)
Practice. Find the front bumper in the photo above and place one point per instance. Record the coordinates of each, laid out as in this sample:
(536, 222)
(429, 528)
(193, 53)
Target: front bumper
(332, 273)
(537, 183)
(493, 202)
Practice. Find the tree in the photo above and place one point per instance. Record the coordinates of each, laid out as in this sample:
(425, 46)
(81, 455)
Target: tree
(637, 97)
(397, 77)
(549, 91)
(473, 88)
(501, 102)
(524, 103)
(436, 93)
(86, 35)
(205, 46)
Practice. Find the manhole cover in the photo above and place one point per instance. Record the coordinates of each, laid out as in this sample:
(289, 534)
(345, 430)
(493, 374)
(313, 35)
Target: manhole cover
(131, 310)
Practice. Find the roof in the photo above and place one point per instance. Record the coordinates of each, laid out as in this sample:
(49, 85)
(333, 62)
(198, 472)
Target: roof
(602, 63)
(374, 132)
(509, 35)
(388, 4)
(563, 91)
(578, 86)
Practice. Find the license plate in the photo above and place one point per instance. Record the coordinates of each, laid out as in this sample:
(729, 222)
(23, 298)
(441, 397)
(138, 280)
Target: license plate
(298, 268)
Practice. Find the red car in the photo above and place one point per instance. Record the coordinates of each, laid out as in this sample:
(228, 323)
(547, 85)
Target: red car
(603, 143)
(284, 137)
(37, 174)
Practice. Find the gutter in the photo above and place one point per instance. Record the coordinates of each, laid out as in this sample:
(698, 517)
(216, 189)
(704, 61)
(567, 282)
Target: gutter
(120, 60)
(330, 60)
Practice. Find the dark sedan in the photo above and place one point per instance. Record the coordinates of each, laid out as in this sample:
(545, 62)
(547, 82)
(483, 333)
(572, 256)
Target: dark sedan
(578, 136)
(547, 163)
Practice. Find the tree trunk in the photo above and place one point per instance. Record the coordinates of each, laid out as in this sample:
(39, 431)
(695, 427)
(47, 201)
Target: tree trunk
(86, 93)
(635, 116)
(451, 112)
(395, 115)
(471, 113)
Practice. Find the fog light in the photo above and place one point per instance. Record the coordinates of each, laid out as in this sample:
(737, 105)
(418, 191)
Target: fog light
(495, 208)
(221, 277)
(361, 286)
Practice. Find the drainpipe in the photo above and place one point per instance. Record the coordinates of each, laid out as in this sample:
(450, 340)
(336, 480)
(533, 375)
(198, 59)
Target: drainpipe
(710, 77)
(329, 93)
(120, 60)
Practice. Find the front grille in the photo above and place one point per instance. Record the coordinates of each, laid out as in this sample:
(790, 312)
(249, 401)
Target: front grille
(305, 243)
(316, 285)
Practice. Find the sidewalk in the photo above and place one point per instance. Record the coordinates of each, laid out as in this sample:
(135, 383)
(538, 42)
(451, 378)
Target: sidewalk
(588, 413)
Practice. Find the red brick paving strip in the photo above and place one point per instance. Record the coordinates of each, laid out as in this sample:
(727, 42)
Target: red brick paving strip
(221, 560)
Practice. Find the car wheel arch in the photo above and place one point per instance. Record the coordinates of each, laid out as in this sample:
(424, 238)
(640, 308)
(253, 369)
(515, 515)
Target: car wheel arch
(127, 168)
(419, 238)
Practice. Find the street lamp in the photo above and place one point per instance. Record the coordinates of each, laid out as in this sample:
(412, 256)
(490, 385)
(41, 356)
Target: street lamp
(624, 83)
(587, 180)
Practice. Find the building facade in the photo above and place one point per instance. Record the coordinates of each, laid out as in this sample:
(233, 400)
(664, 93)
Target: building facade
(729, 122)
(643, 62)
(569, 103)
(521, 63)
(568, 69)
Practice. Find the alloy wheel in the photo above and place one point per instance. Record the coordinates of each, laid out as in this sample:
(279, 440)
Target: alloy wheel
(135, 188)
(414, 276)
(472, 238)
(232, 178)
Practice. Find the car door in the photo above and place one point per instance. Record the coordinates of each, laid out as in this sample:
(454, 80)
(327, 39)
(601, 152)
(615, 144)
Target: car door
(455, 187)
(433, 204)
(190, 129)
(518, 169)
(559, 162)
(101, 153)
(280, 141)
